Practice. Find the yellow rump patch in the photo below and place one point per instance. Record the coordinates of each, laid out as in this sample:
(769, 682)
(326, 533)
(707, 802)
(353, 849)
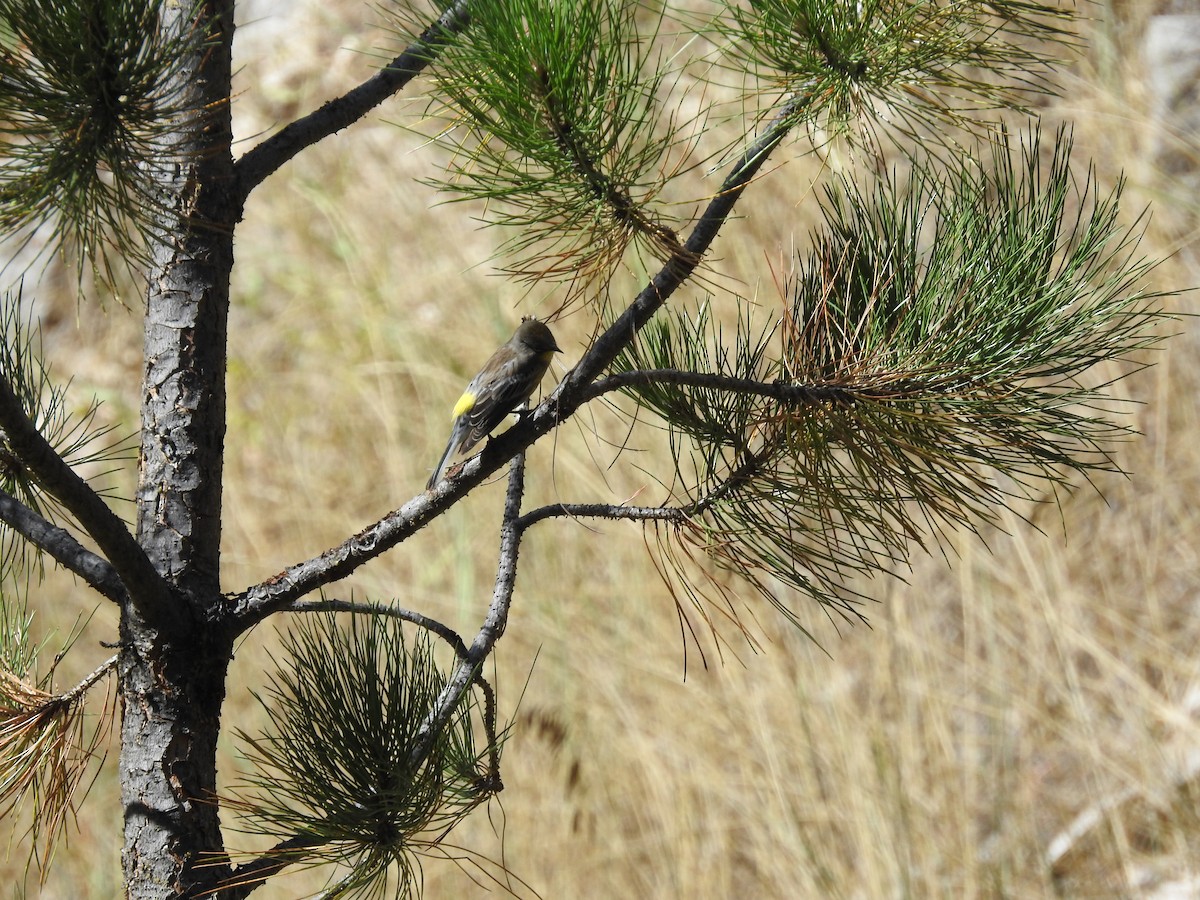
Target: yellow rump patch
(464, 405)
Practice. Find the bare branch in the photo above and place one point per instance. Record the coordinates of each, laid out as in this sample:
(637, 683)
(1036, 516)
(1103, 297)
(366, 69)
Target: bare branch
(269, 156)
(677, 514)
(449, 635)
(602, 511)
(257, 602)
(497, 617)
(62, 548)
(135, 570)
(39, 702)
(86, 684)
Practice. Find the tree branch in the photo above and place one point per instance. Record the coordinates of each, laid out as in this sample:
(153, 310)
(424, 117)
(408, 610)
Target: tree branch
(141, 580)
(254, 604)
(777, 390)
(269, 156)
(62, 547)
(445, 632)
(678, 514)
(257, 602)
(89, 681)
(247, 878)
(602, 511)
(497, 617)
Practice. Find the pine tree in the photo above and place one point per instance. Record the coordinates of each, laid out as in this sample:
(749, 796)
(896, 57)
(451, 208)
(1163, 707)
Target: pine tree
(931, 363)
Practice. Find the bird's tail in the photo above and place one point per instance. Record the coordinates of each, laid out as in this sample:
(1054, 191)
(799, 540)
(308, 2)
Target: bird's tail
(437, 473)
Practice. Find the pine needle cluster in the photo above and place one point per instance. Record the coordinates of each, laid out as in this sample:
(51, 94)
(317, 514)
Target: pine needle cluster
(930, 368)
(346, 772)
(909, 71)
(89, 99)
(553, 111)
(48, 745)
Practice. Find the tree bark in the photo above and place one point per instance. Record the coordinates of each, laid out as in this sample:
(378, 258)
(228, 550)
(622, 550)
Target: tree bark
(172, 689)
(176, 646)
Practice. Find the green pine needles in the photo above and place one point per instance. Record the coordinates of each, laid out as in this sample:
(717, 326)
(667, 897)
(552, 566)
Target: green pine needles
(930, 368)
(552, 110)
(88, 100)
(345, 772)
(557, 111)
(908, 68)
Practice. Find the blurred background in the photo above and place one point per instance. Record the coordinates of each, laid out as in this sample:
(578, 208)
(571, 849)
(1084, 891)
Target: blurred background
(1020, 719)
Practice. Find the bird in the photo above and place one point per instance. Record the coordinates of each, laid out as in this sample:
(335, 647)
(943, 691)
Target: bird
(506, 381)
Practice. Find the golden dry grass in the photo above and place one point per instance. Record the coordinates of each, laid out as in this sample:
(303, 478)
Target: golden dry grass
(997, 696)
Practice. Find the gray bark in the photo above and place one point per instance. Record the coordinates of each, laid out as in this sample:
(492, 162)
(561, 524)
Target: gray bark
(175, 646)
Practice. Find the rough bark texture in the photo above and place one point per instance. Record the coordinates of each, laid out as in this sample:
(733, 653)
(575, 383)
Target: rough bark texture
(172, 692)
(175, 651)
(187, 312)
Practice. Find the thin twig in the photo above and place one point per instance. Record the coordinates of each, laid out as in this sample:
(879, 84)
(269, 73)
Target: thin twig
(602, 511)
(86, 684)
(38, 702)
(449, 635)
(62, 547)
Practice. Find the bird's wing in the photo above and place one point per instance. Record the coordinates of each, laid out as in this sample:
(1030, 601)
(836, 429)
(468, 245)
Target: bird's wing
(489, 410)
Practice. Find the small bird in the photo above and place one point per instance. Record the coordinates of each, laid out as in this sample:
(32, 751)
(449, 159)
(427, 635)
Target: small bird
(506, 381)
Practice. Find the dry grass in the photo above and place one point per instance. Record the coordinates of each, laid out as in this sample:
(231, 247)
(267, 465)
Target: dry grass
(997, 697)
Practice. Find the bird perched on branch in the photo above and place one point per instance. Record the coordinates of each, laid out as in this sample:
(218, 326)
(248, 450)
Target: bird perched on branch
(505, 382)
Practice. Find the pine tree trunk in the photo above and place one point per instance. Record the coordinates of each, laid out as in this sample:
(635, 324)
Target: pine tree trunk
(172, 690)
(176, 652)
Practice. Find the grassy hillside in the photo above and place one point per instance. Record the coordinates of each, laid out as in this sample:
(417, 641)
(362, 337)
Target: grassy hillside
(1002, 691)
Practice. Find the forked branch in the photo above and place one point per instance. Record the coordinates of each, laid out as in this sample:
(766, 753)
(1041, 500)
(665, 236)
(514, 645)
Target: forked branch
(445, 632)
(259, 601)
(141, 580)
